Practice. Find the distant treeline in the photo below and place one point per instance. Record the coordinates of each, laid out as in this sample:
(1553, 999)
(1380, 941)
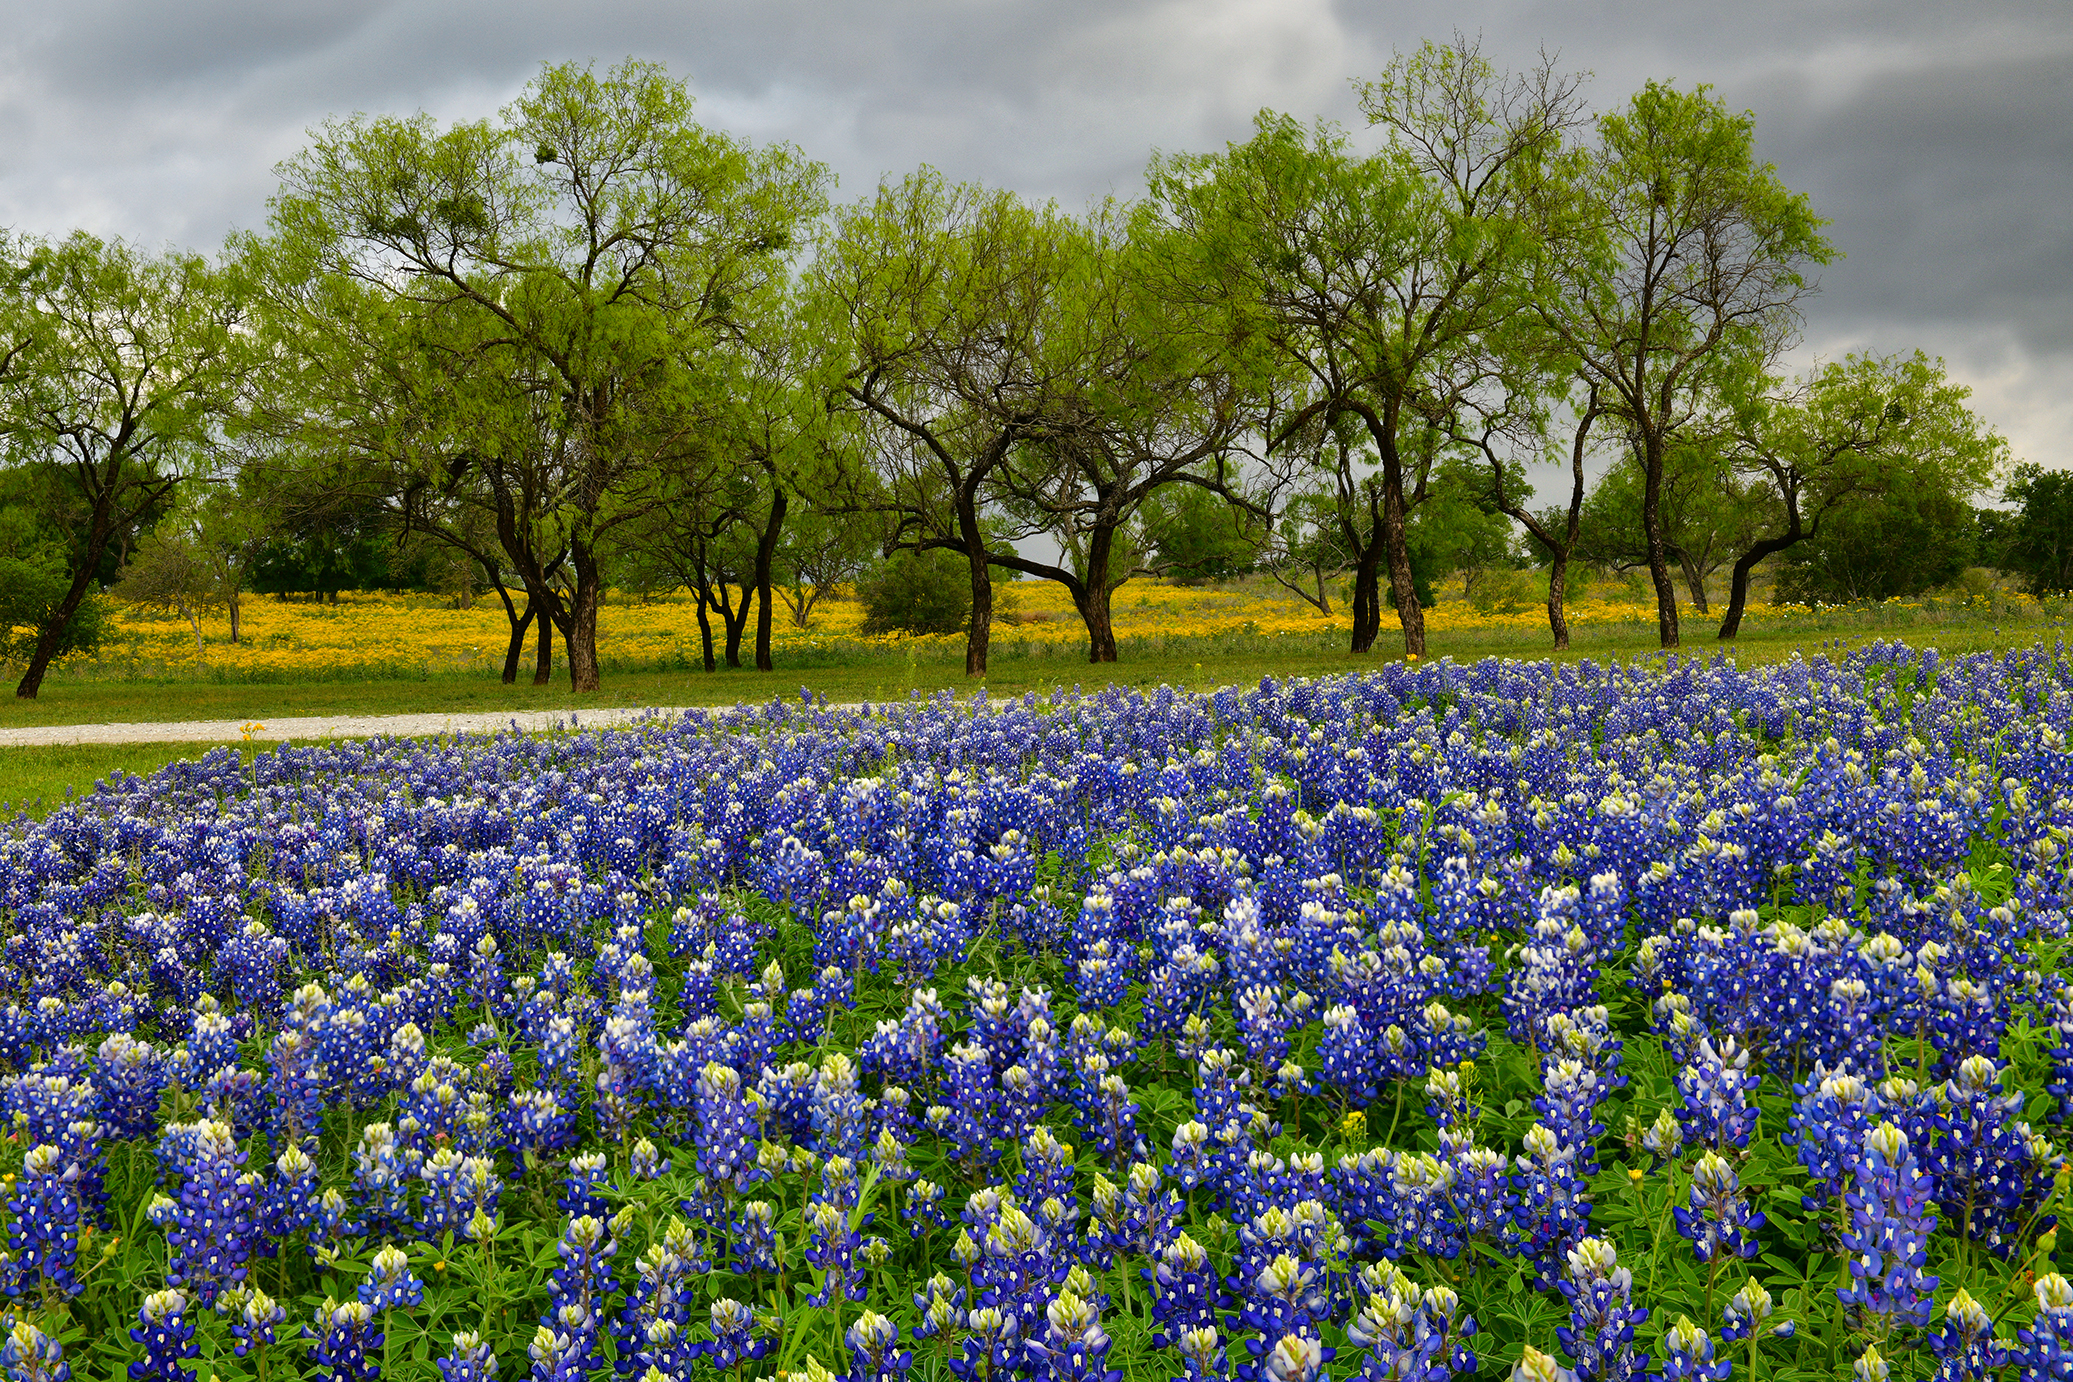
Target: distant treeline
(591, 342)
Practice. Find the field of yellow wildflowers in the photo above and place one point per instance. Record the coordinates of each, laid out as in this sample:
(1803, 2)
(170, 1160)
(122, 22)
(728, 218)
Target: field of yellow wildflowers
(370, 636)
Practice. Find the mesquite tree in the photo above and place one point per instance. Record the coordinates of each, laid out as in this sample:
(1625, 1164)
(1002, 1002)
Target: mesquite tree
(1668, 257)
(938, 297)
(1365, 285)
(595, 244)
(119, 370)
(1847, 432)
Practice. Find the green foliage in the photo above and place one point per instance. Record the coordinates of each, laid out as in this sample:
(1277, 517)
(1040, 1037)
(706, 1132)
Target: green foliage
(1899, 544)
(2036, 540)
(1458, 529)
(120, 370)
(917, 592)
(1196, 536)
(31, 589)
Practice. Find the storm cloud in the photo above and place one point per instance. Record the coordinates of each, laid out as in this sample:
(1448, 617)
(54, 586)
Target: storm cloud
(1939, 140)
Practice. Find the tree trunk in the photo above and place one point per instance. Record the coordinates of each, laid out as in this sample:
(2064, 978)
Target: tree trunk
(582, 629)
(516, 642)
(1367, 598)
(705, 630)
(766, 550)
(1738, 584)
(1558, 592)
(1652, 532)
(231, 600)
(1694, 580)
(54, 627)
(1395, 543)
(980, 631)
(736, 618)
(1094, 595)
(543, 657)
(1401, 582)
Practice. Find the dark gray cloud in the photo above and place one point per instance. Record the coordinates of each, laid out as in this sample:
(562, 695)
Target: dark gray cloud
(1938, 139)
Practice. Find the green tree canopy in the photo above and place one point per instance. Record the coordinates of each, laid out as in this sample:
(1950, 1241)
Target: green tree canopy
(2035, 541)
(588, 253)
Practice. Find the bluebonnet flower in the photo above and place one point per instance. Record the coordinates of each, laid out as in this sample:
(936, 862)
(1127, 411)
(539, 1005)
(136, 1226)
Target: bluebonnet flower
(1719, 1219)
(390, 1283)
(1891, 1209)
(557, 1357)
(445, 1206)
(1202, 1356)
(1015, 1269)
(940, 1304)
(2047, 1342)
(1409, 1335)
(1295, 1357)
(969, 1088)
(875, 1354)
(1746, 1312)
(1716, 1108)
(924, 1207)
(1074, 1347)
(346, 1342)
(167, 1336)
(1535, 1366)
(837, 1106)
(1554, 1210)
(1446, 1100)
(255, 1317)
(588, 1173)
(832, 1251)
(211, 1228)
(1568, 1104)
(1284, 1303)
(735, 1341)
(580, 1285)
(130, 1077)
(1988, 1168)
(1964, 1343)
(1048, 1174)
(538, 1123)
(1262, 1025)
(1688, 1355)
(726, 1150)
(1599, 1337)
(1834, 1111)
(382, 1172)
(30, 1355)
(990, 1348)
(44, 1205)
(653, 1325)
(470, 1359)
(646, 1161)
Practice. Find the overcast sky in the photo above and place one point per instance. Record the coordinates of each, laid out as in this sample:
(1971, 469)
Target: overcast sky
(1939, 139)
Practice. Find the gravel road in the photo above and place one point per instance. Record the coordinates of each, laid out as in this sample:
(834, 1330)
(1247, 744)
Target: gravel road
(308, 727)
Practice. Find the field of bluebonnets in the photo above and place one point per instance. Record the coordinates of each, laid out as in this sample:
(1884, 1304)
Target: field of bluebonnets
(1447, 1020)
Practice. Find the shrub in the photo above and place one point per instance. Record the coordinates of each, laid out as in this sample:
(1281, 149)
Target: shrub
(917, 592)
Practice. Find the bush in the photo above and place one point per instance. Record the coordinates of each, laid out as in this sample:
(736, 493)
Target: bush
(917, 592)
(1891, 547)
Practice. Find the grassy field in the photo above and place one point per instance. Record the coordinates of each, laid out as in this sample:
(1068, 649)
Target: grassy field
(1177, 644)
(40, 780)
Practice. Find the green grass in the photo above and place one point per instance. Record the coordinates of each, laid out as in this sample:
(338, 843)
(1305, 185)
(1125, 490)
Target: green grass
(38, 780)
